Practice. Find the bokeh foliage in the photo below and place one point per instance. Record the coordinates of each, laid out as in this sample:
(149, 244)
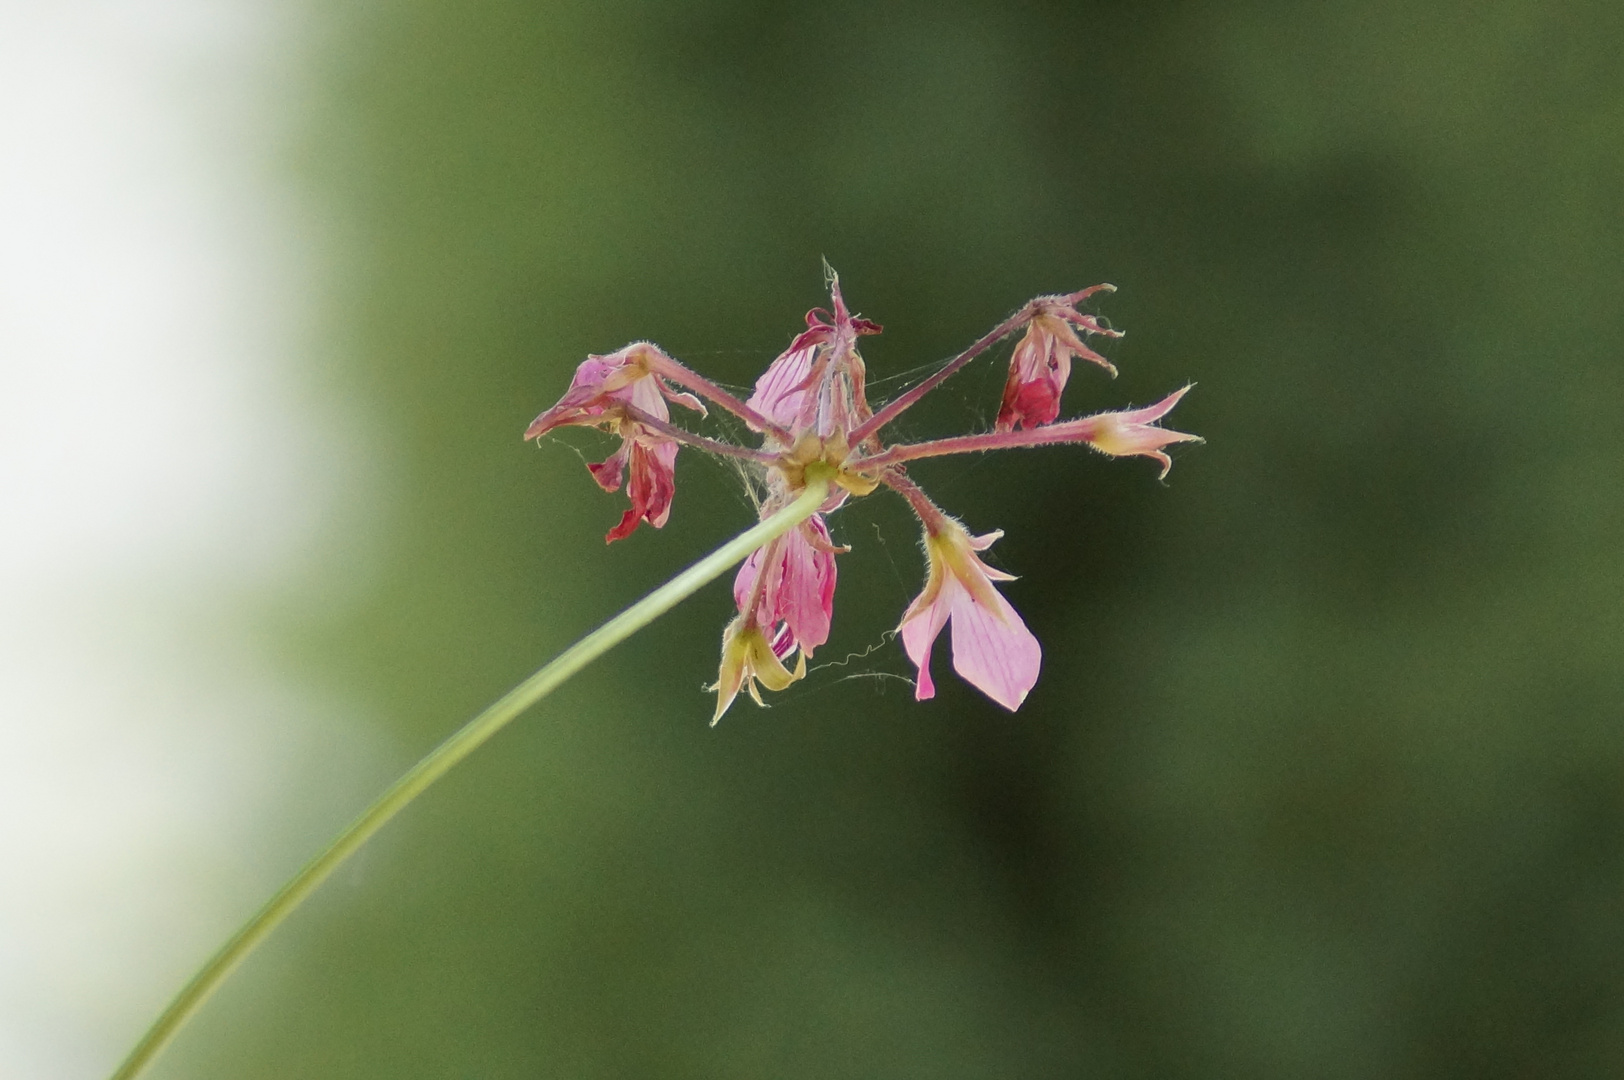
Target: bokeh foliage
(1325, 773)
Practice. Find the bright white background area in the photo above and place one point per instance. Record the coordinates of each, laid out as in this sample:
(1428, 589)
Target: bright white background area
(164, 466)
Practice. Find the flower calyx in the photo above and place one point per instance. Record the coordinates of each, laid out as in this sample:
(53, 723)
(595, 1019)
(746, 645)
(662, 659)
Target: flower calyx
(748, 658)
(825, 456)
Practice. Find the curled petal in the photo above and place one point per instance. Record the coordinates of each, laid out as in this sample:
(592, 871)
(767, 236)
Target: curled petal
(584, 403)
(918, 631)
(653, 484)
(992, 648)
(682, 397)
(611, 470)
(818, 382)
(1037, 374)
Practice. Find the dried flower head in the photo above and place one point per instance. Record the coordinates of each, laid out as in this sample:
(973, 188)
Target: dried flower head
(810, 408)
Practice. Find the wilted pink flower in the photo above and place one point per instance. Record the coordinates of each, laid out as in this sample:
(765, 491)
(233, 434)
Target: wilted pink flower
(599, 396)
(811, 409)
(817, 384)
(1042, 361)
(796, 591)
(992, 648)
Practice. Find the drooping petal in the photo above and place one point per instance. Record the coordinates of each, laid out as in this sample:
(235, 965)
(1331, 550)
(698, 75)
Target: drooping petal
(611, 470)
(919, 629)
(797, 592)
(992, 648)
(806, 597)
(599, 395)
(585, 400)
(682, 397)
(652, 487)
(623, 377)
(745, 580)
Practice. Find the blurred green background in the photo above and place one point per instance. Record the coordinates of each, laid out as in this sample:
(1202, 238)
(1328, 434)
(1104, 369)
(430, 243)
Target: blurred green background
(1323, 774)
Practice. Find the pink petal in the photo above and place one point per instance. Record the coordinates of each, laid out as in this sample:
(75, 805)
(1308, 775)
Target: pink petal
(610, 471)
(992, 649)
(987, 540)
(658, 473)
(781, 390)
(624, 528)
(1032, 391)
(807, 594)
(799, 590)
(681, 397)
(652, 486)
(598, 382)
(918, 632)
(1028, 404)
(644, 394)
(745, 579)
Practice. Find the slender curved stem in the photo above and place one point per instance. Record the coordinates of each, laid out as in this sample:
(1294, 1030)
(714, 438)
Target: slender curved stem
(689, 379)
(448, 754)
(902, 402)
(699, 442)
(1081, 430)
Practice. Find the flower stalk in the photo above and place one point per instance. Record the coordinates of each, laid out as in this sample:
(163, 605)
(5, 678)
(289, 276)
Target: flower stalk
(911, 397)
(443, 758)
(820, 447)
(1119, 434)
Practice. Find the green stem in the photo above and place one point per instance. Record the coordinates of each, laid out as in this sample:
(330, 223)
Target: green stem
(444, 757)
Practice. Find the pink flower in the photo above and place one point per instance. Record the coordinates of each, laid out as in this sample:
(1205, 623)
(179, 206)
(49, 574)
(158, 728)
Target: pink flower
(1134, 431)
(1042, 361)
(817, 384)
(992, 648)
(599, 395)
(797, 592)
